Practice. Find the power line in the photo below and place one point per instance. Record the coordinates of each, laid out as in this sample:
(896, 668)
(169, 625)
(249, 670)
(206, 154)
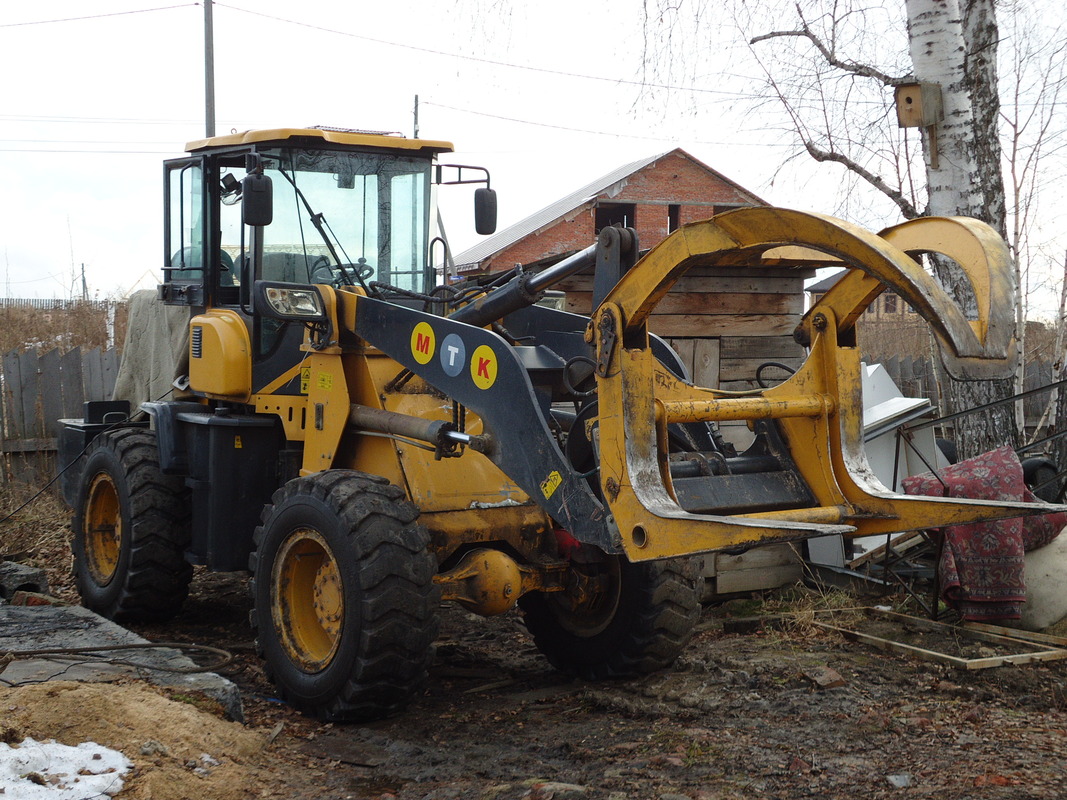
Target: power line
(56, 276)
(96, 16)
(105, 120)
(79, 141)
(599, 133)
(100, 152)
(478, 60)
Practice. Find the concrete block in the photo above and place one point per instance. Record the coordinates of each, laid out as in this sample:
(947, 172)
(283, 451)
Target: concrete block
(15, 577)
(26, 628)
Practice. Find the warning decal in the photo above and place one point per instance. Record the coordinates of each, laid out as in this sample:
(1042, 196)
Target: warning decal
(551, 483)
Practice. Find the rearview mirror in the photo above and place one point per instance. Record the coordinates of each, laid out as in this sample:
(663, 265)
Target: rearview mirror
(485, 211)
(257, 199)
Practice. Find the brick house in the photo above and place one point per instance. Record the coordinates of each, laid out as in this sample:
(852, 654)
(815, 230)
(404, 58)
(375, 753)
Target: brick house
(654, 195)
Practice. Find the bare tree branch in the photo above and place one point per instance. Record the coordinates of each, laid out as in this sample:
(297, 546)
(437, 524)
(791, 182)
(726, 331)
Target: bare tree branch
(906, 208)
(850, 66)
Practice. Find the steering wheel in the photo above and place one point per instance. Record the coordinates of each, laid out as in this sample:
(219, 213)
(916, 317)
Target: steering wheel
(360, 269)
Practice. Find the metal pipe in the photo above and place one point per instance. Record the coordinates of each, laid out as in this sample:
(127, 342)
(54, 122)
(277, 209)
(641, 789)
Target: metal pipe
(521, 291)
(746, 408)
(209, 70)
(546, 278)
(377, 419)
(431, 431)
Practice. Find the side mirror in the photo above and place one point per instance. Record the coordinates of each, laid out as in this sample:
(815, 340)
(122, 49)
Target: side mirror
(485, 211)
(257, 199)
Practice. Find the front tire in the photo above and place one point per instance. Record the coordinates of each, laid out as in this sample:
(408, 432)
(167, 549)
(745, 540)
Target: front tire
(637, 620)
(131, 530)
(344, 603)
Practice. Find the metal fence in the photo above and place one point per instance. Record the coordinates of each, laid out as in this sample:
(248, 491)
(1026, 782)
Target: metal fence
(915, 377)
(54, 304)
(40, 389)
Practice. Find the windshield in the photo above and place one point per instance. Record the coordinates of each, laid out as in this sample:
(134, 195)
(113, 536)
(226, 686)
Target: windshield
(338, 215)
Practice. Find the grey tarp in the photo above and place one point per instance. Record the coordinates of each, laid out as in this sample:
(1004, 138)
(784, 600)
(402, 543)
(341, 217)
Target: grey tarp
(156, 350)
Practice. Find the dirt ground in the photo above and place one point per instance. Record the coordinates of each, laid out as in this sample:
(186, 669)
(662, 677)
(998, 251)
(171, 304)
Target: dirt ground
(774, 713)
(769, 714)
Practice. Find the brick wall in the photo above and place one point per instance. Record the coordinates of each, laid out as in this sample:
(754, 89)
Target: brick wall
(674, 179)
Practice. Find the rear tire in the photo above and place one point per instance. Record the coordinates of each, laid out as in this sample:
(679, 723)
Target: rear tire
(344, 603)
(131, 529)
(639, 624)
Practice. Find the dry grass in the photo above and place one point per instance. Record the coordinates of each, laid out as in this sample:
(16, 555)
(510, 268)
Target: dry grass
(35, 530)
(799, 606)
(77, 325)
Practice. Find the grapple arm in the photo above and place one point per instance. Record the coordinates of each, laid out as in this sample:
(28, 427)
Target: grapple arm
(976, 349)
(817, 413)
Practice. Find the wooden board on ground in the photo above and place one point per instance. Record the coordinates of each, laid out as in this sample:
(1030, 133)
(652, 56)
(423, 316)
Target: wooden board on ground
(900, 542)
(968, 647)
(766, 567)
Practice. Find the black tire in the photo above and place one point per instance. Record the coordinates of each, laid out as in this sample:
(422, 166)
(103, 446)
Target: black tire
(1041, 474)
(640, 623)
(344, 604)
(131, 528)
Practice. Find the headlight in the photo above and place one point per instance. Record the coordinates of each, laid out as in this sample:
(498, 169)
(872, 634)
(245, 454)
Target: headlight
(287, 301)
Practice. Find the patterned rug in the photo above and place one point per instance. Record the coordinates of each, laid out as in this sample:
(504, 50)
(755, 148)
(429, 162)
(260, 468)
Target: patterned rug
(981, 567)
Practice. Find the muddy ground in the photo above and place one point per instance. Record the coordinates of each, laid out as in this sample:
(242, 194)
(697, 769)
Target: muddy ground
(773, 714)
(782, 713)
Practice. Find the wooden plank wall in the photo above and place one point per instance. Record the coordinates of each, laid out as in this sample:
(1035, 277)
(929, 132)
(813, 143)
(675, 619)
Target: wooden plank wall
(40, 389)
(724, 323)
(748, 312)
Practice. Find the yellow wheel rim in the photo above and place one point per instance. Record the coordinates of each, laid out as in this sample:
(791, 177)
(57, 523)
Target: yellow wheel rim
(103, 529)
(589, 606)
(307, 600)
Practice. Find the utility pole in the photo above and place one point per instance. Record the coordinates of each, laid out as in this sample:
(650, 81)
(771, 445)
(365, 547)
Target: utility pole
(209, 70)
(416, 116)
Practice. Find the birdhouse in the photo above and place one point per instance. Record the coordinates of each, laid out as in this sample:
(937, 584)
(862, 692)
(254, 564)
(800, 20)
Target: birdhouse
(918, 105)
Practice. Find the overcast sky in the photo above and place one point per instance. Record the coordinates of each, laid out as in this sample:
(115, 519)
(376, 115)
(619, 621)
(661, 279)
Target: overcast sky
(547, 96)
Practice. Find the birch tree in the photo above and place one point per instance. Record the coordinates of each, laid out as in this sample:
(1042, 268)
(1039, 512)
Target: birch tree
(1033, 122)
(963, 175)
(832, 65)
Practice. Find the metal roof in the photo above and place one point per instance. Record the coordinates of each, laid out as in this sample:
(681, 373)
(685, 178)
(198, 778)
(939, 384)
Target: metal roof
(565, 205)
(827, 283)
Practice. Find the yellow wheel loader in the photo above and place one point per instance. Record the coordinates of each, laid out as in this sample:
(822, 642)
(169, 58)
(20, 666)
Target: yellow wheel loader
(368, 445)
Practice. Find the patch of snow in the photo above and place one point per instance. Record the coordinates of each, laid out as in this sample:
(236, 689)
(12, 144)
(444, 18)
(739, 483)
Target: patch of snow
(47, 770)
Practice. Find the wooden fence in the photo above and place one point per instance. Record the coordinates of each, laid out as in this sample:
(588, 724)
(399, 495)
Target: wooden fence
(915, 377)
(40, 389)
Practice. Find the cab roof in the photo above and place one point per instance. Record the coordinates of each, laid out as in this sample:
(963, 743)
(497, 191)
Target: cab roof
(340, 136)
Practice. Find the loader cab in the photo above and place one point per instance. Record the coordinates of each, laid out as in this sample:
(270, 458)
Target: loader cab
(343, 208)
